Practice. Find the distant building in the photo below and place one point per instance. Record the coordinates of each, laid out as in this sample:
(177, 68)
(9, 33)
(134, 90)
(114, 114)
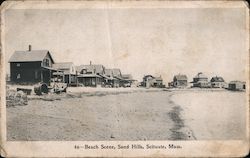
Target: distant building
(68, 72)
(237, 85)
(200, 80)
(147, 81)
(217, 82)
(31, 66)
(158, 82)
(180, 81)
(151, 81)
(127, 80)
(110, 80)
(91, 75)
(118, 80)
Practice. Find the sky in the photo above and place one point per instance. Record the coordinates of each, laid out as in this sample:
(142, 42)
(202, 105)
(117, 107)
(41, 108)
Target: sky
(140, 41)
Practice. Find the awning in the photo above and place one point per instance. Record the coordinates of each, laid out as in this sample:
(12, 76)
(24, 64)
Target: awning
(88, 75)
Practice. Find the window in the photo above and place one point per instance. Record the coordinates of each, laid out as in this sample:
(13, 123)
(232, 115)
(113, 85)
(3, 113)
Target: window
(18, 76)
(84, 71)
(18, 64)
(46, 62)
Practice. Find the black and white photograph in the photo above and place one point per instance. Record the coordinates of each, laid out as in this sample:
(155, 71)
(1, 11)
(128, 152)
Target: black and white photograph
(125, 71)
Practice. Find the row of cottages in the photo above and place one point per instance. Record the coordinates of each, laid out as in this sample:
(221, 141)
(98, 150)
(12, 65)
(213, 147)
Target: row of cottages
(98, 76)
(34, 66)
(151, 81)
(200, 80)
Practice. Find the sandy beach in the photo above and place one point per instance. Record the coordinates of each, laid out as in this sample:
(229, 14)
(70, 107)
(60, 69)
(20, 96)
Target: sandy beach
(129, 114)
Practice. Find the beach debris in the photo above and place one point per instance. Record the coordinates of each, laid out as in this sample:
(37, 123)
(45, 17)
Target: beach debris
(16, 98)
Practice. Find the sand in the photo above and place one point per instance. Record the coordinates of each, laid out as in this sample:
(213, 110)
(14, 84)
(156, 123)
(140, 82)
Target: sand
(126, 115)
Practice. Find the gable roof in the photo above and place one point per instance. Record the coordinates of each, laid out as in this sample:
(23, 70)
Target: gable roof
(180, 77)
(127, 76)
(200, 75)
(116, 72)
(109, 72)
(91, 68)
(65, 66)
(30, 56)
(158, 78)
(217, 79)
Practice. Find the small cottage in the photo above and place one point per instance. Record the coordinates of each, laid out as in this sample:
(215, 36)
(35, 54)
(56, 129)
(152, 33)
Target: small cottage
(147, 81)
(68, 72)
(91, 75)
(118, 80)
(151, 81)
(158, 82)
(31, 66)
(201, 81)
(127, 80)
(217, 82)
(180, 81)
(237, 86)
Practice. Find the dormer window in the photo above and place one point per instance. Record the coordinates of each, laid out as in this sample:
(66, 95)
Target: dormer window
(84, 71)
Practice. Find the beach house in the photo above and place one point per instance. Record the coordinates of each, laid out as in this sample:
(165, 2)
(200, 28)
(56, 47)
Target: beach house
(118, 80)
(91, 75)
(201, 81)
(217, 82)
(180, 81)
(237, 85)
(31, 66)
(151, 81)
(127, 80)
(68, 72)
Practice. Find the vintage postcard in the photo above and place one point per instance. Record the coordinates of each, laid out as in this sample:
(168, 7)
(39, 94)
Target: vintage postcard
(124, 78)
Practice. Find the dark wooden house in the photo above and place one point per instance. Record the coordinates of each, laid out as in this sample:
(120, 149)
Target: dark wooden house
(31, 66)
(180, 81)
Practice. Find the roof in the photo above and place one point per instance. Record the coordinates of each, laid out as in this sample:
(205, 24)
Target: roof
(127, 76)
(200, 75)
(180, 77)
(91, 68)
(116, 72)
(88, 75)
(146, 76)
(29, 56)
(109, 72)
(217, 79)
(158, 78)
(65, 66)
(237, 82)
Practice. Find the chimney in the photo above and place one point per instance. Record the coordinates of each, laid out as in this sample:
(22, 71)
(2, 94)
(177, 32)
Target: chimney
(90, 63)
(29, 47)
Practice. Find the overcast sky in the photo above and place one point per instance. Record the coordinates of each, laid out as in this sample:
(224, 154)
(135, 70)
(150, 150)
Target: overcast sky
(138, 41)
